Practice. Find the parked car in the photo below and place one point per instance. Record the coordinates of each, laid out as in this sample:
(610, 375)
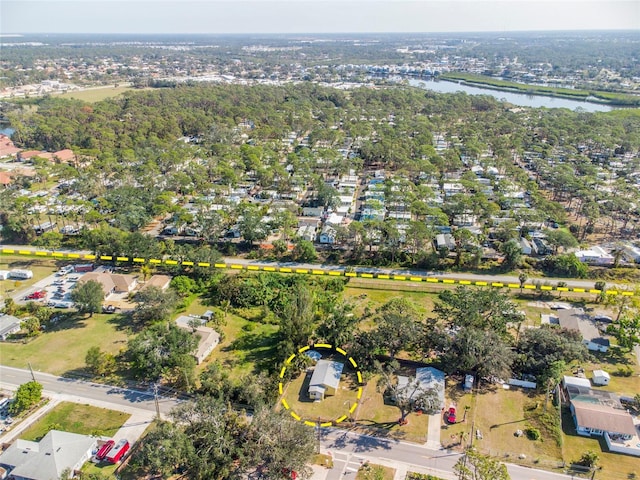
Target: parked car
(104, 450)
(108, 309)
(37, 295)
(450, 416)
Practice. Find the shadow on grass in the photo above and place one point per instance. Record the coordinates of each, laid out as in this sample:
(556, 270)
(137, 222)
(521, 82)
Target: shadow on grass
(614, 356)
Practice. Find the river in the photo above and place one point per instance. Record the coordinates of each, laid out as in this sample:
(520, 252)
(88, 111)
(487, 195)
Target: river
(520, 99)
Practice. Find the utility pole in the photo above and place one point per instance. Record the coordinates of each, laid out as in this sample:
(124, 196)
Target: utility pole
(318, 430)
(155, 396)
(33, 377)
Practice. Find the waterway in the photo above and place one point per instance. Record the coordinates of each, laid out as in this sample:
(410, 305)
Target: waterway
(8, 131)
(519, 99)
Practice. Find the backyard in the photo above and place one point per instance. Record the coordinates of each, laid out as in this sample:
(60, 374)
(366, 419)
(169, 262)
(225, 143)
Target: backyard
(41, 268)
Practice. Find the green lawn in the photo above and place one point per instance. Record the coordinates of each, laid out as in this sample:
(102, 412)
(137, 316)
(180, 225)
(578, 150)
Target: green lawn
(616, 361)
(96, 94)
(247, 344)
(63, 348)
(371, 471)
(77, 418)
(365, 295)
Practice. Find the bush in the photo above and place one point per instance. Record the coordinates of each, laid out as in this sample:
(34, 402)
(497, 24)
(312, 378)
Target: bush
(532, 433)
(623, 372)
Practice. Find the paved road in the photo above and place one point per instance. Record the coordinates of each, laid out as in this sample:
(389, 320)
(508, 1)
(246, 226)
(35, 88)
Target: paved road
(571, 282)
(348, 449)
(119, 398)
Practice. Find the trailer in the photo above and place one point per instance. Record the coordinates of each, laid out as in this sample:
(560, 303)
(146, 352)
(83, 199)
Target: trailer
(104, 450)
(117, 452)
(21, 274)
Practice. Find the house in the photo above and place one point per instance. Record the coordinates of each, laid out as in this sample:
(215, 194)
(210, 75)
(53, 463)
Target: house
(328, 235)
(595, 256)
(325, 379)
(160, 281)
(64, 156)
(600, 413)
(4, 274)
(7, 148)
(8, 326)
(445, 240)
(49, 458)
(307, 232)
(575, 319)
(431, 379)
(527, 247)
(600, 377)
(631, 253)
(111, 282)
(208, 337)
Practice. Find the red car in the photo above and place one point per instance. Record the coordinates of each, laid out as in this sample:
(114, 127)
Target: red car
(117, 452)
(450, 416)
(37, 295)
(104, 449)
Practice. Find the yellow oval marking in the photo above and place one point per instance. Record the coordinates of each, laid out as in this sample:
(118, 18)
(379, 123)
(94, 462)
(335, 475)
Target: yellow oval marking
(285, 270)
(295, 415)
(284, 403)
(220, 265)
(482, 284)
(24, 252)
(253, 267)
(280, 390)
(140, 260)
(448, 280)
(595, 290)
(335, 273)
(366, 275)
(465, 282)
(106, 257)
(323, 345)
(562, 289)
(546, 287)
(513, 285)
(187, 264)
(415, 279)
(170, 262)
(302, 270)
(90, 256)
(353, 407)
(155, 260)
(326, 424)
(580, 290)
(529, 287)
(41, 254)
(341, 419)
(432, 280)
(8, 250)
(359, 376)
(318, 272)
(339, 350)
(304, 349)
(269, 269)
(293, 355)
(382, 275)
(353, 362)
(74, 255)
(57, 254)
(236, 267)
(359, 393)
(284, 369)
(399, 277)
(309, 424)
(497, 284)
(611, 292)
(121, 259)
(204, 264)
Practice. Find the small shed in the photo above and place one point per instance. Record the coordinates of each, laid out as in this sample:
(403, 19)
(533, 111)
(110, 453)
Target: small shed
(600, 377)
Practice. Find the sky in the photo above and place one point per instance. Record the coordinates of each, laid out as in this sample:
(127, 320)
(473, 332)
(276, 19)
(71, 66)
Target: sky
(314, 16)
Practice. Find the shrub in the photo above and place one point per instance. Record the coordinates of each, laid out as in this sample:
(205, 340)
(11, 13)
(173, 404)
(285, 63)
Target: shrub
(532, 433)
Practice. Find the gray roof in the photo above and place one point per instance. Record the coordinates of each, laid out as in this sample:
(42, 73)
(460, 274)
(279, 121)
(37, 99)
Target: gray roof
(48, 458)
(432, 378)
(8, 324)
(326, 374)
(576, 319)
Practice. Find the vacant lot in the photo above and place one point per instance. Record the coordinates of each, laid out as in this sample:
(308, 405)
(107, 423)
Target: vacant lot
(497, 414)
(623, 368)
(63, 349)
(247, 344)
(96, 94)
(77, 418)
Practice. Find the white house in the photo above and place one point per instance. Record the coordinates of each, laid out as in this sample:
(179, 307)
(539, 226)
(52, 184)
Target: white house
(8, 326)
(595, 256)
(328, 235)
(325, 379)
(49, 458)
(208, 338)
(445, 240)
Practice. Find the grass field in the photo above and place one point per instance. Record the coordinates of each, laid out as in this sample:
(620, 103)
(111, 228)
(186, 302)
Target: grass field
(246, 345)
(77, 418)
(64, 348)
(371, 471)
(96, 94)
(364, 295)
(498, 414)
(616, 361)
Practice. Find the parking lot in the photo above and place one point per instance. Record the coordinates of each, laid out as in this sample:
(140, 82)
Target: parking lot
(53, 291)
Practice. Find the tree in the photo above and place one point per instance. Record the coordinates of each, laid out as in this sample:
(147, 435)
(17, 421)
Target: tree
(49, 240)
(153, 304)
(565, 265)
(278, 445)
(483, 352)
(539, 348)
(561, 238)
(32, 326)
(27, 395)
(522, 278)
(512, 254)
(304, 251)
(626, 330)
(163, 349)
(88, 297)
(397, 326)
(475, 466)
(589, 459)
(99, 362)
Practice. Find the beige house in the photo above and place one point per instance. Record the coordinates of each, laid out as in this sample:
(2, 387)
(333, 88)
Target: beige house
(111, 282)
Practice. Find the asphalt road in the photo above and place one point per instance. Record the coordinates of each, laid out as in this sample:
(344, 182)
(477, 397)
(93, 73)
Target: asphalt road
(349, 449)
(119, 397)
(571, 282)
